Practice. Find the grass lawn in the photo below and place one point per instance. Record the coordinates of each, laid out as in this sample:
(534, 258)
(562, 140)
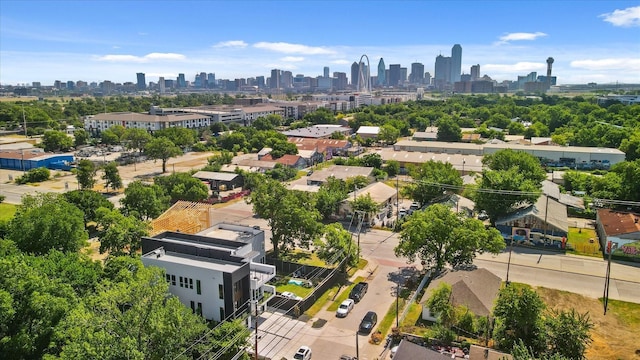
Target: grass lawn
(283, 285)
(7, 211)
(361, 265)
(615, 335)
(581, 239)
(303, 257)
(317, 306)
(344, 295)
(389, 319)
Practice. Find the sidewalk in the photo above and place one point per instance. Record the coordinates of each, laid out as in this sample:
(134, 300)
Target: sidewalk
(566, 263)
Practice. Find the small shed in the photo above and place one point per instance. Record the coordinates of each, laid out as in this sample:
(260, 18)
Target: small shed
(220, 181)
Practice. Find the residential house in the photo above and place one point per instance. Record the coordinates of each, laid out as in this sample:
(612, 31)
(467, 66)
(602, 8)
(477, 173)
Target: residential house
(476, 289)
(339, 172)
(382, 194)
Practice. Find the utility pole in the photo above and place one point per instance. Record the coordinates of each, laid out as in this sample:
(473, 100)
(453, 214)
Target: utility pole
(509, 262)
(398, 304)
(24, 121)
(397, 196)
(357, 349)
(610, 247)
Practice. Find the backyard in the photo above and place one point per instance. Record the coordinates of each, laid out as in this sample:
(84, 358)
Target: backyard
(584, 242)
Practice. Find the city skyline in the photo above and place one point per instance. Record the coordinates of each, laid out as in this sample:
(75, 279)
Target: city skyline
(590, 41)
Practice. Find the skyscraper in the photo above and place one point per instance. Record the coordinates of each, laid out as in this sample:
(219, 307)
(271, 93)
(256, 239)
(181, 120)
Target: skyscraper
(394, 74)
(142, 82)
(182, 83)
(382, 78)
(456, 63)
(211, 80)
(417, 73)
(442, 71)
(326, 71)
(275, 79)
(475, 72)
(354, 75)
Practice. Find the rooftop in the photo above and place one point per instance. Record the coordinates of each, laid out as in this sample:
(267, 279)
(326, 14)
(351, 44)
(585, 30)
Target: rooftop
(340, 172)
(617, 223)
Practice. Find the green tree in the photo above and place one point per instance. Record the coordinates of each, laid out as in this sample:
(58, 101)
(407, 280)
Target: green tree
(439, 304)
(329, 197)
(449, 131)
(32, 305)
(135, 318)
(372, 160)
(439, 236)
(179, 136)
(336, 245)
(85, 173)
(629, 173)
(430, 180)
(111, 176)
(34, 175)
(567, 333)
(88, 201)
(162, 148)
(364, 204)
(144, 201)
(54, 140)
(631, 146)
(392, 167)
(80, 137)
(120, 235)
(518, 313)
(291, 215)
(388, 134)
(527, 164)
(47, 221)
(112, 135)
(182, 186)
(500, 192)
(135, 138)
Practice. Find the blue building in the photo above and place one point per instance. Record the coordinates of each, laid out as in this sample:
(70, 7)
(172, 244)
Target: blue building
(29, 159)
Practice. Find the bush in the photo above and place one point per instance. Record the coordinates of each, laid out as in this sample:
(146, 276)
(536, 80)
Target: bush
(444, 335)
(34, 175)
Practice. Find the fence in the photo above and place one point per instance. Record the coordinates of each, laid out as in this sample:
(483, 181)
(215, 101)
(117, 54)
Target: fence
(323, 279)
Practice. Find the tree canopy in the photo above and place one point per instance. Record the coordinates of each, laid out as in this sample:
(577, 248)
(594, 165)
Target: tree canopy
(439, 236)
(162, 148)
(430, 180)
(182, 186)
(144, 201)
(47, 221)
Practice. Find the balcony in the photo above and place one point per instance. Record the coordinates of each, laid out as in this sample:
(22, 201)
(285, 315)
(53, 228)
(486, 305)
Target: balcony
(260, 274)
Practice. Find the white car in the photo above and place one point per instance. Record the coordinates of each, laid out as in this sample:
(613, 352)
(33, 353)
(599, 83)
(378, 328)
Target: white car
(304, 353)
(290, 295)
(345, 308)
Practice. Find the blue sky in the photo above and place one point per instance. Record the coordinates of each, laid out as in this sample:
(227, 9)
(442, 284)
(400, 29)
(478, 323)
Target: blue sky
(591, 41)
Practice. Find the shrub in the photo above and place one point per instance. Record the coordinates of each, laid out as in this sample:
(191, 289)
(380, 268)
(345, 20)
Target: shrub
(34, 175)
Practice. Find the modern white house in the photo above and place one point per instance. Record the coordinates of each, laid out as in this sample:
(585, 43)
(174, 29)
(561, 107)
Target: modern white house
(217, 273)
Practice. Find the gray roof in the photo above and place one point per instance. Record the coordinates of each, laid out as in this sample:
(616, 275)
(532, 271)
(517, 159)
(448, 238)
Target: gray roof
(477, 289)
(556, 217)
(380, 192)
(470, 162)
(340, 172)
(218, 176)
(410, 351)
(552, 190)
(478, 353)
(425, 135)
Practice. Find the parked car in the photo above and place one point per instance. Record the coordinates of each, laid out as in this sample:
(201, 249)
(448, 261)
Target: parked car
(368, 322)
(304, 353)
(358, 291)
(345, 308)
(348, 357)
(290, 295)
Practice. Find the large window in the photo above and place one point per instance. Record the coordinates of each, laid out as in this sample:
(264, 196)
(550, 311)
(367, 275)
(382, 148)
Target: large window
(198, 288)
(220, 291)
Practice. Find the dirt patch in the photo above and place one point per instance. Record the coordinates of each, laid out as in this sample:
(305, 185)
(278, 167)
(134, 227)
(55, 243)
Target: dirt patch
(93, 250)
(613, 338)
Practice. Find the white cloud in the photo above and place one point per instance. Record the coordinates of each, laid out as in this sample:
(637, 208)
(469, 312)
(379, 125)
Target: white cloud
(520, 36)
(141, 59)
(628, 17)
(629, 64)
(292, 58)
(341, 62)
(515, 68)
(288, 48)
(231, 44)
